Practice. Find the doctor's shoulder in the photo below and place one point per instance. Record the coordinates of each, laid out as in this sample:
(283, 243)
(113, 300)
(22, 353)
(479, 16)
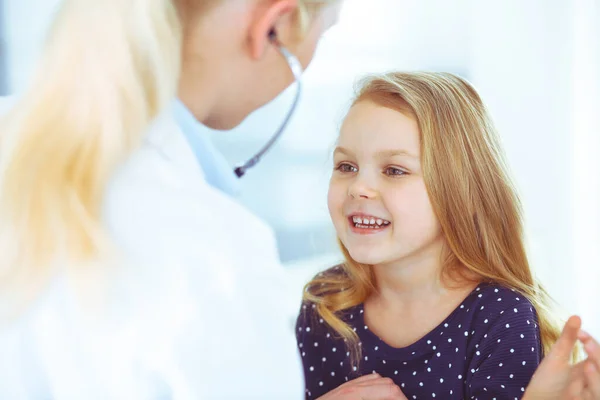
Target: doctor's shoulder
(6, 103)
(161, 218)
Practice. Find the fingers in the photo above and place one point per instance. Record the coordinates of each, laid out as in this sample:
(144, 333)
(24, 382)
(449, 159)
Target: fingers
(576, 385)
(592, 380)
(364, 378)
(371, 387)
(583, 335)
(592, 348)
(382, 391)
(367, 380)
(375, 382)
(563, 347)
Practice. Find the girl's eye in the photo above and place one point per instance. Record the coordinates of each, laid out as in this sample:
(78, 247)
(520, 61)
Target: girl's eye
(345, 167)
(393, 171)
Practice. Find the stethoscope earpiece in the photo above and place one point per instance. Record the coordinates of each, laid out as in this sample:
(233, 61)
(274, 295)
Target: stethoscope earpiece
(297, 70)
(272, 35)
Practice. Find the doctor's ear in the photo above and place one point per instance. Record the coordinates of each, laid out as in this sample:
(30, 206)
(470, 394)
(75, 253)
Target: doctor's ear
(273, 22)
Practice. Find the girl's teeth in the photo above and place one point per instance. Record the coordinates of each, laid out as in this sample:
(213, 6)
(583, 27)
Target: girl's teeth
(369, 222)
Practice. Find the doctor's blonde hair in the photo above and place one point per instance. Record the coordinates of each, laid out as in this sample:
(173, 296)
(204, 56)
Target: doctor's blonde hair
(108, 69)
(471, 193)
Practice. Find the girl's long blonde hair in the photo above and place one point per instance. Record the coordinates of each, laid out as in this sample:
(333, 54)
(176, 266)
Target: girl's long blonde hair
(471, 193)
(108, 69)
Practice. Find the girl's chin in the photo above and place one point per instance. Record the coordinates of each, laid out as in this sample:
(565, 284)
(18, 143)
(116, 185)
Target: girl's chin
(366, 257)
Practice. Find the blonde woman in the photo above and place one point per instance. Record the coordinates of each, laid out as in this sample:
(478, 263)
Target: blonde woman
(127, 270)
(436, 292)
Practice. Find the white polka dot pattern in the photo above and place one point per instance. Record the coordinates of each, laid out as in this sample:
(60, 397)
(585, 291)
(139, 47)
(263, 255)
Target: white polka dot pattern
(487, 348)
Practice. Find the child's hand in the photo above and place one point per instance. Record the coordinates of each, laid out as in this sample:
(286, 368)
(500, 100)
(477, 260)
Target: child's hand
(592, 365)
(557, 379)
(368, 387)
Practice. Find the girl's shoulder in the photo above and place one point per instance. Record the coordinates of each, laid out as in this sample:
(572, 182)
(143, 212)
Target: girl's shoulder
(502, 342)
(309, 317)
(496, 312)
(488, 311)
(493, 296)
(330, 281)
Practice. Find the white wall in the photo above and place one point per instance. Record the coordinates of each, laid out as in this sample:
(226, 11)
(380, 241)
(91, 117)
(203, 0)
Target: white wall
(585, 187)
(521, 62)
(538, 70)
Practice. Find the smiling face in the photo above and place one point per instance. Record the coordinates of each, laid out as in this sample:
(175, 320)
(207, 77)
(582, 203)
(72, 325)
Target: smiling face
(377, 198)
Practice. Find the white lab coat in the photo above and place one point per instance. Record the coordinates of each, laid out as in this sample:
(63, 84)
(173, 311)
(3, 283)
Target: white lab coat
(199, 310)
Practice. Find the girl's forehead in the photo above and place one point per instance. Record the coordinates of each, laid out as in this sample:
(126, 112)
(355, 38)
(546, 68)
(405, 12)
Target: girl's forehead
(374, 128)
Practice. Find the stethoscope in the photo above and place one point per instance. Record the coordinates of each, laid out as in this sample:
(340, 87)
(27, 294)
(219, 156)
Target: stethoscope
(296, 68)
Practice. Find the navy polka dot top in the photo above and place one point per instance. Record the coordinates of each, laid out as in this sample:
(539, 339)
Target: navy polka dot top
(487, 348)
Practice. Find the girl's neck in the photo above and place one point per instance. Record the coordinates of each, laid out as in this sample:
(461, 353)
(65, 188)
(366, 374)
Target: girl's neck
(417, 279)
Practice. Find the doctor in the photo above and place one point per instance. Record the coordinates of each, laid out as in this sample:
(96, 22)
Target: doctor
(127, 269)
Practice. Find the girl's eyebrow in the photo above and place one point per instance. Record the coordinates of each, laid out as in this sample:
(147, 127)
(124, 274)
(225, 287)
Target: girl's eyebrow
(392, 153)
(379, 154)
(342, 150)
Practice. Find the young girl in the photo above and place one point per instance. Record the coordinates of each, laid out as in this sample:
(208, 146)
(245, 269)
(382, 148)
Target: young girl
(436, 292)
